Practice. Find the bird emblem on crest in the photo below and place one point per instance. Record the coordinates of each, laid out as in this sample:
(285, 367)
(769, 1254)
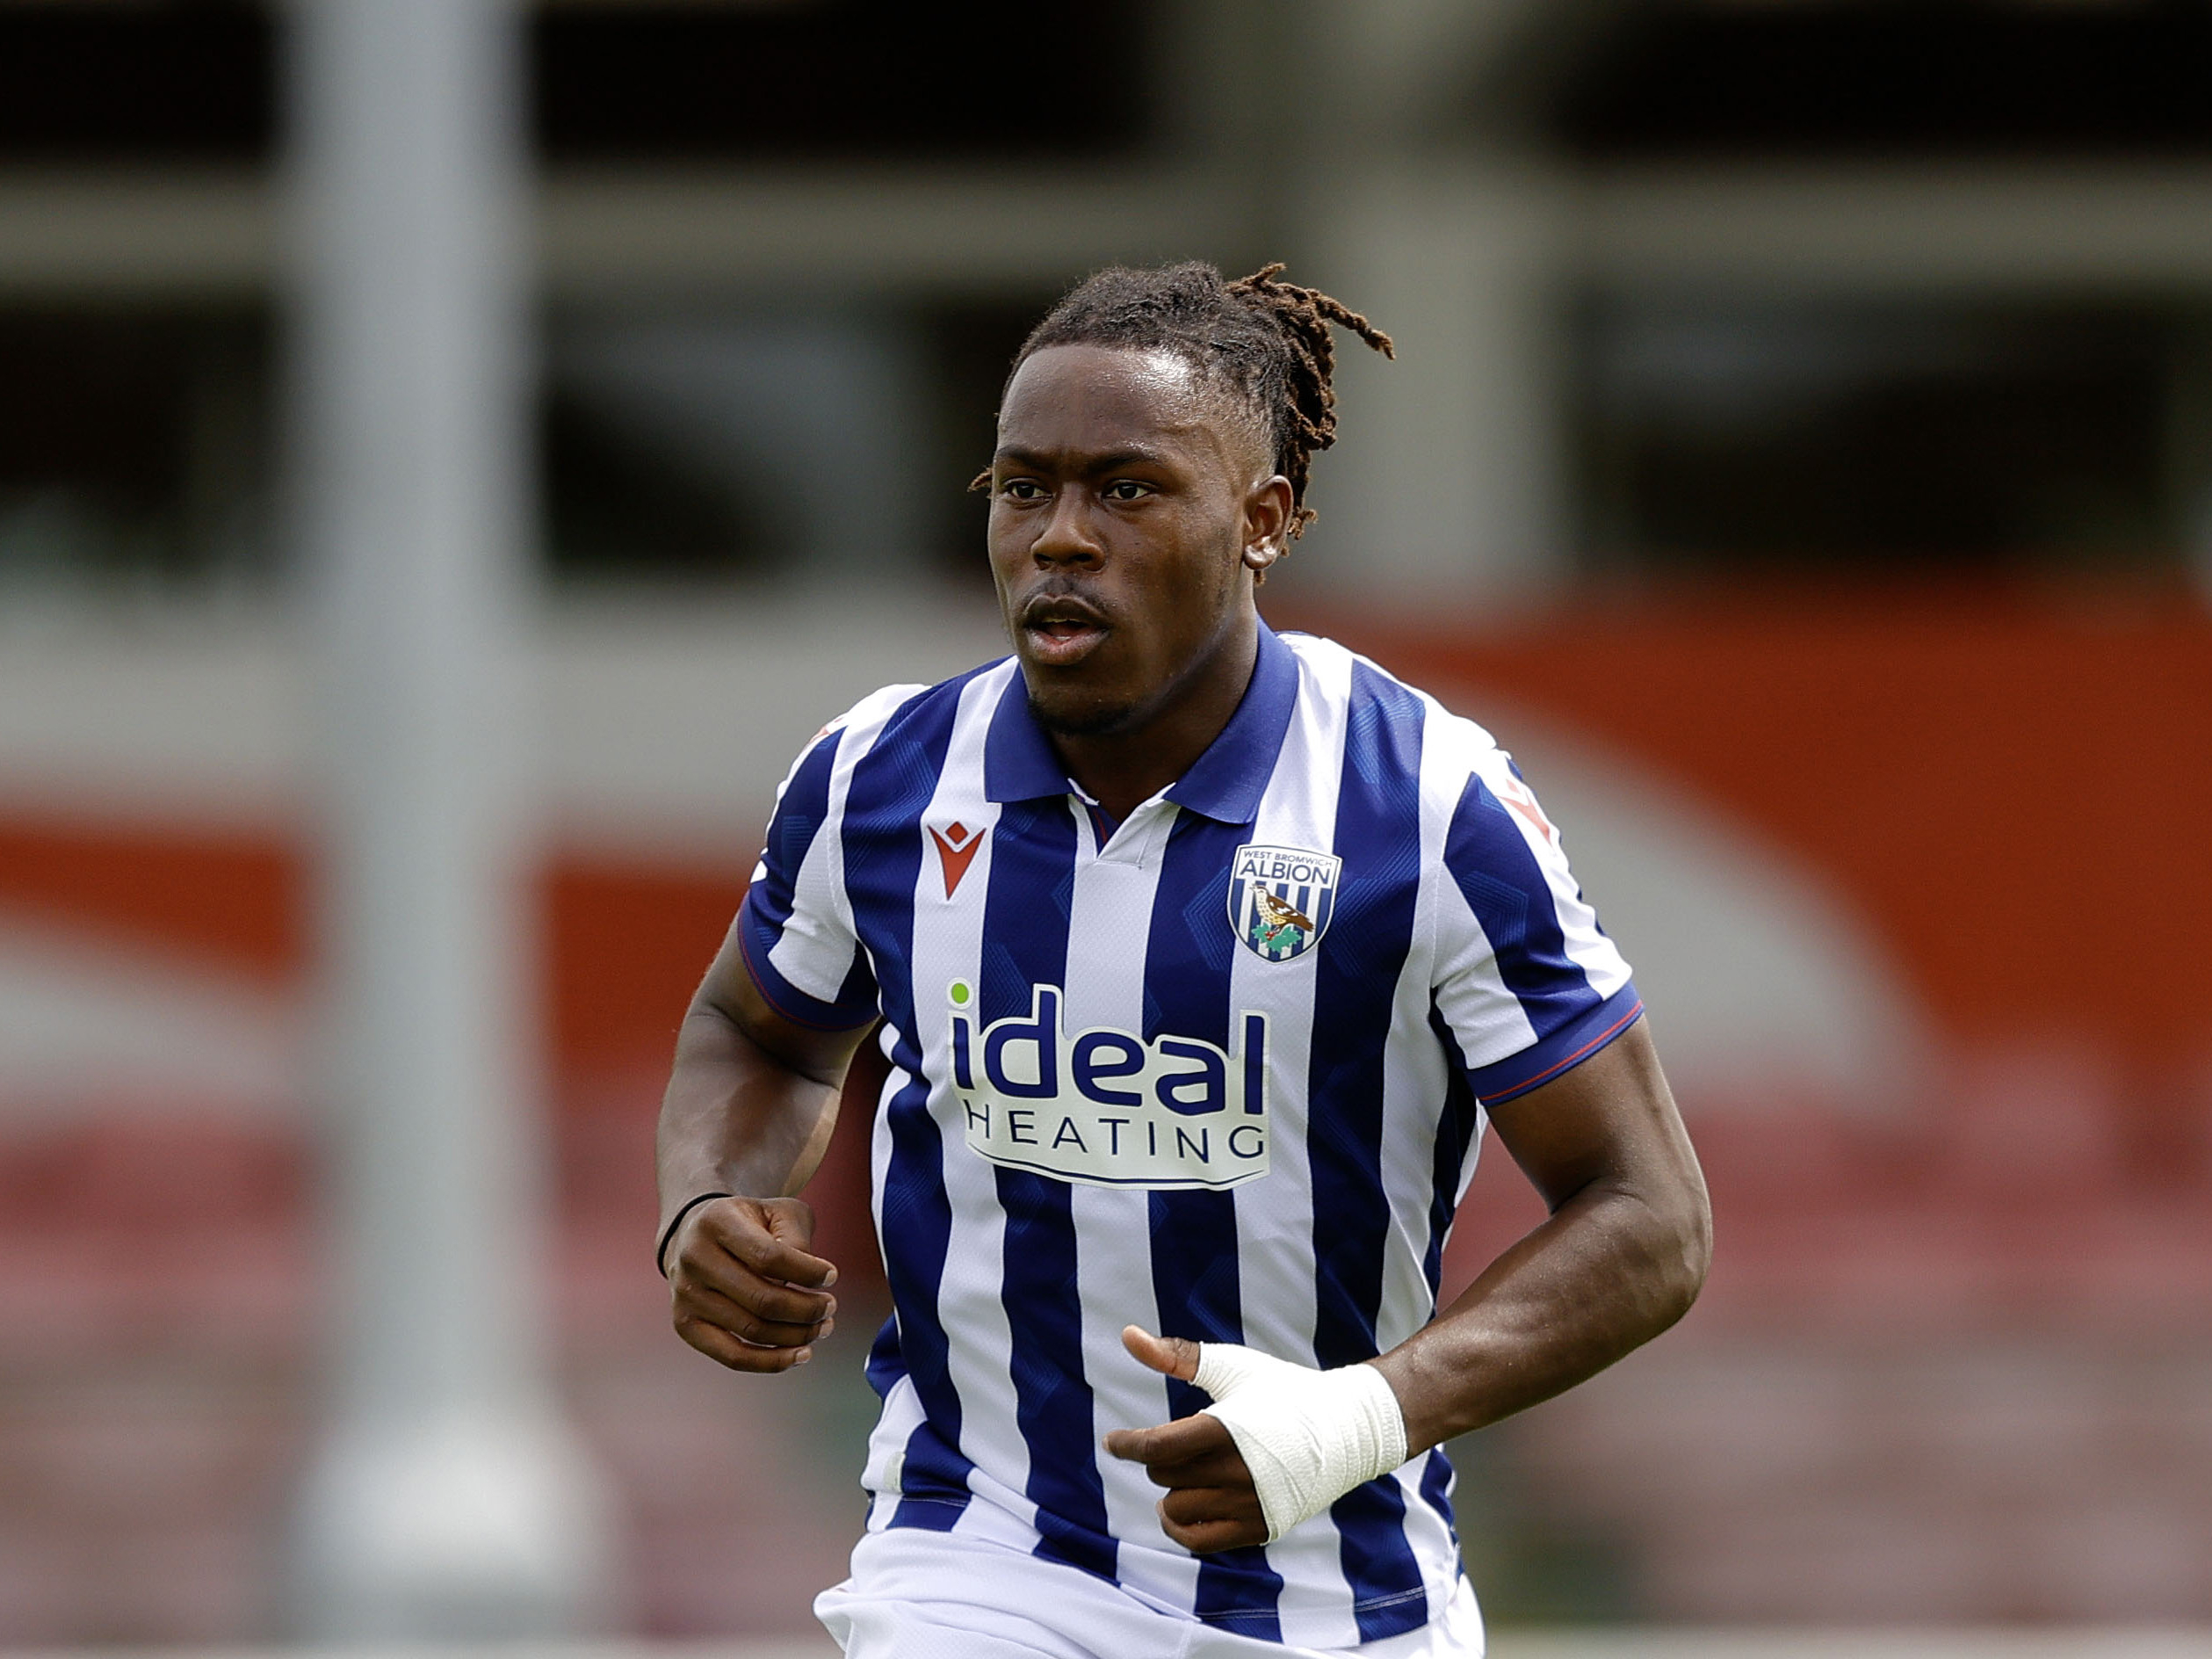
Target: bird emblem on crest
(1280, 899)
(1276, 917)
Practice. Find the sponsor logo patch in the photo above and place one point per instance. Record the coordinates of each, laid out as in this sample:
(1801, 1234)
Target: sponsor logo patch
(1106, 1108)
(1280, 899)
(956, 847)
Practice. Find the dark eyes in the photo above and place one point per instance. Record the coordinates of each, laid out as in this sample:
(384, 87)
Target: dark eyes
(1120, 490)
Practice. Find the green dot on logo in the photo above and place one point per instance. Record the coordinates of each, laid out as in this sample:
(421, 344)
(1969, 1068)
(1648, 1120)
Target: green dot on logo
(961, 991)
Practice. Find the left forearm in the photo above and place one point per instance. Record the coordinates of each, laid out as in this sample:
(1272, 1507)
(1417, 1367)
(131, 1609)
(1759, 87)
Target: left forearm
(1609, 1270)
(1621, 1259)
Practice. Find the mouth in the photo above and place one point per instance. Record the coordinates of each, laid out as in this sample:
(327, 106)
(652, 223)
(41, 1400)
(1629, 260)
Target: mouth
(1062, 630)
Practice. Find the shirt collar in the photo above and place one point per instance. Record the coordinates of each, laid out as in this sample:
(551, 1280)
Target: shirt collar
(1225, 783)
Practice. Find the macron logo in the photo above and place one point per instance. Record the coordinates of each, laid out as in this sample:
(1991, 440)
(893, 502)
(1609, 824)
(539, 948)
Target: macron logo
(956, 845)
(1522, 799)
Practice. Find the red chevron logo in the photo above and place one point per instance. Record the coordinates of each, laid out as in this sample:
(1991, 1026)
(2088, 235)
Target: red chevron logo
(1522, 799)
(956, 845)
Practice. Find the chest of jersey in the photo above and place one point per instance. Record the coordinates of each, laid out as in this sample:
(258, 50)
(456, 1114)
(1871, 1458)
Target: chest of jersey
(1125, 1009)
(1105, 1107)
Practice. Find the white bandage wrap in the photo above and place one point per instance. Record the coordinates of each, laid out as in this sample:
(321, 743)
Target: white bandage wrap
(1308, 1437)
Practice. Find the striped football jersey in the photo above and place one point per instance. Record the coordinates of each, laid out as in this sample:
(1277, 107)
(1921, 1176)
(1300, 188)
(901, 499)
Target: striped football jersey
(1219, 1070)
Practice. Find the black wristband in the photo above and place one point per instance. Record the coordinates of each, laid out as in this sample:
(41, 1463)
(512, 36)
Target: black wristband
(661, 1250)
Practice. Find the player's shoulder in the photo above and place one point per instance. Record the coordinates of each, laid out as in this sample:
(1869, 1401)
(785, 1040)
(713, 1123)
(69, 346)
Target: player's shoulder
(892, 713)
(1451, 748)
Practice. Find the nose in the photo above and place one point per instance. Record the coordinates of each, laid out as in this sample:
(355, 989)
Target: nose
(1067, 536)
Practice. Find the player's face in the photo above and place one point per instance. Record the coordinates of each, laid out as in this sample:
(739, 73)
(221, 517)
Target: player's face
(1122, 513)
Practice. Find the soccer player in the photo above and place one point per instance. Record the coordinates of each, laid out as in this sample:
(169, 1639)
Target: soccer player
(1198, 958)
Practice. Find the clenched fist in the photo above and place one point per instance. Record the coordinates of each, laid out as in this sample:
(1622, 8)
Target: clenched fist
(744, 1288)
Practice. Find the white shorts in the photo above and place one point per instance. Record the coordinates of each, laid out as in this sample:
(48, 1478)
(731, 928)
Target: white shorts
(921, 1595)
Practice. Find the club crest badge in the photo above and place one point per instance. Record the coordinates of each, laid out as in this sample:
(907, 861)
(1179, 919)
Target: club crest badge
(1280, 899)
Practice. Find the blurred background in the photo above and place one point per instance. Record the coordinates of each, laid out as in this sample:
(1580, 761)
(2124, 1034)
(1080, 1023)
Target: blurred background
(1800, 455)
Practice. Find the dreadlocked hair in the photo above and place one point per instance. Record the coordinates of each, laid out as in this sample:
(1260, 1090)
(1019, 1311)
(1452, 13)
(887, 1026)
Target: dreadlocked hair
(1266, 341)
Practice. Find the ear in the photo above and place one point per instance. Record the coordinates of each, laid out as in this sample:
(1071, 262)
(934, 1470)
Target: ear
(1267, 522)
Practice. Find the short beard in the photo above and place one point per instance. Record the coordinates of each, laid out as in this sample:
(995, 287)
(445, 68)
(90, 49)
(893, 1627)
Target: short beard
(1097, 720)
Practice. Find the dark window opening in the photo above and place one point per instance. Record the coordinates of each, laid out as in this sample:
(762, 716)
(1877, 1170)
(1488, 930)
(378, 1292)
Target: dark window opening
(1738, 438)
(134, 449)
(163, 83)
(1676, 76)
(731, 445)
(841, 78)
(198, 81)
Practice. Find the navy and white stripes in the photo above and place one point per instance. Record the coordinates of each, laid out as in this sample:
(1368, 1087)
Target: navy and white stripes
(1114, 1100)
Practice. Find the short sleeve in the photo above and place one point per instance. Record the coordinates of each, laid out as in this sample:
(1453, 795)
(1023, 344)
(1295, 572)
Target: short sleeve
(1527, 984)
(795, 926)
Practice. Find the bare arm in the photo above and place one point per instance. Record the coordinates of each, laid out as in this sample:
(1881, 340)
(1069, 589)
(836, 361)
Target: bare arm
(749, 1112)
(1621, 1257)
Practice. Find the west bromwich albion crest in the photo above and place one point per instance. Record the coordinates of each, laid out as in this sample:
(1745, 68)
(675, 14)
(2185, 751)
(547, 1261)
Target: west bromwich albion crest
(1280, 899)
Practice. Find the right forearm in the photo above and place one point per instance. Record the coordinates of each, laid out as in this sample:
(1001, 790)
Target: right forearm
(737, 1118)
(749, 1114)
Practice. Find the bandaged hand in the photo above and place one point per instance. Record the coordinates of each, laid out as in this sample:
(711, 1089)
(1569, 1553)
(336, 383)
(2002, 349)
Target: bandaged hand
(1305, 1437)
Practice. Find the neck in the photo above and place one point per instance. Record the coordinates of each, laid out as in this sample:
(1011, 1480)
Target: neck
(1123, 769)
